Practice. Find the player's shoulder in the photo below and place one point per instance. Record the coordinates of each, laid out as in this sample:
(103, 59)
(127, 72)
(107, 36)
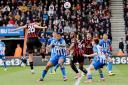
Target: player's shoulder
(109, 40)
(95, 48)
(101, 40)
(62, 39)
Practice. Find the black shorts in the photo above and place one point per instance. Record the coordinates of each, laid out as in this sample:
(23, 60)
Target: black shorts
(78, 59)
(33, 43)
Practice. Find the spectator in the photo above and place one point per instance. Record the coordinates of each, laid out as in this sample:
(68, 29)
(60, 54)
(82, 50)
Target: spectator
(51, 9)
(121, 45)
(126, 41)
(18, 51)
(66, 28)
(23, 8)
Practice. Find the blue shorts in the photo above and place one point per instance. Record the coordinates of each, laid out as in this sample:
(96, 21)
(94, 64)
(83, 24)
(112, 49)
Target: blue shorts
(97, 65)
(54, 59)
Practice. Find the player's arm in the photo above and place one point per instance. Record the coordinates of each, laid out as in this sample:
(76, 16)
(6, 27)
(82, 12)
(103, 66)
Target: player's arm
(22, 27)
(91, 55)
(100, 43)
(71, 46)
(51, 45)
(63, 44)
(39, 27)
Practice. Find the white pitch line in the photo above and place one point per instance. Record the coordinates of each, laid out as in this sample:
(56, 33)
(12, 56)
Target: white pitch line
(77, 82)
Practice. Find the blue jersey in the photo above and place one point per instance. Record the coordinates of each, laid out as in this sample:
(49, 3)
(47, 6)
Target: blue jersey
(43, 40)
(2, 48)
(52, 41)
(105, 45)
(100, 54)
(59, 47)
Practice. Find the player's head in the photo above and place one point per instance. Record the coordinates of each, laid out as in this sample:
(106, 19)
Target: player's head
(105, 36)
(95, 41)
(18, 45)
(58, 36)
(88, 36)
(54, 34)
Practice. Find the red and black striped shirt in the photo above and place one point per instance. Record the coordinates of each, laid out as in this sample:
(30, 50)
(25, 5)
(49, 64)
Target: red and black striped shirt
(32, 31)
(87, 46)
(78, 52)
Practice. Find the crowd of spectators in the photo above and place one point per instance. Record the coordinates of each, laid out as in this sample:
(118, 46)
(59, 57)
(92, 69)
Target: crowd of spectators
(126, 23)
(84, 16)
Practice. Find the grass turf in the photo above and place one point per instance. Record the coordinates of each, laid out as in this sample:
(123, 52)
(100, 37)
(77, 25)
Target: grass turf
(22, 76)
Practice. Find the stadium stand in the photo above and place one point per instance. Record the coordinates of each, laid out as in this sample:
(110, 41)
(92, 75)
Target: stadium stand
(84, 16)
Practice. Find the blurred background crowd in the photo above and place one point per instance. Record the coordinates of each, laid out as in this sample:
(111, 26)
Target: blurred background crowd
(84, 16)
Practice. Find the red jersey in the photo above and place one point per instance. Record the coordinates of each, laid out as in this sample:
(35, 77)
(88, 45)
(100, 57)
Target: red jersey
(32, 31)
(77, 48)
(87, 46)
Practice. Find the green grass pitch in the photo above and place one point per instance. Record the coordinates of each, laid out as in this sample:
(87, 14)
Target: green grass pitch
(22, 76)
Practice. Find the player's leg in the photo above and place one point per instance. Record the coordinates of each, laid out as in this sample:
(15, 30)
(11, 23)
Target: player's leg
(89, 74)
(42, 52)
(109, 66)
(31, 62)
(101, 74)
(53, 61)
(4, 62)
(30, 48)
(51, 70)
(56, 67)
(81, 65)
(61, 64)
(73, 66)
(44, 72)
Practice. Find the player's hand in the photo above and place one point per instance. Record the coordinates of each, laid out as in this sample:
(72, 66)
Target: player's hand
(68, 52)
(85, 55)
(45, 27)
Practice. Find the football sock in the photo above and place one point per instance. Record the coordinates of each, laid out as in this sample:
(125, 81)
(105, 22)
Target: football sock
(89, 76)
(44, 73)
(56, 67)
(83, 70)
(109, 67)
(74, 67)
(31, 65)
(63, 71)
(51, 70)
(5, 64)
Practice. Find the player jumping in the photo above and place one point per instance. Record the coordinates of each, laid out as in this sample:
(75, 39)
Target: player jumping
(32, 40)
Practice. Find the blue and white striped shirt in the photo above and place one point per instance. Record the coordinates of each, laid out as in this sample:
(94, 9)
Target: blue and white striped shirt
(100, 54)
(2, 46)
(59, 47)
